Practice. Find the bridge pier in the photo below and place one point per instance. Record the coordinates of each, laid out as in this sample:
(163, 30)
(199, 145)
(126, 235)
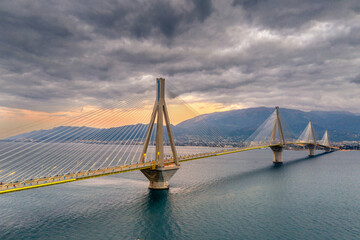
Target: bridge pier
(159, 177)
(311, 150)
(277, 154)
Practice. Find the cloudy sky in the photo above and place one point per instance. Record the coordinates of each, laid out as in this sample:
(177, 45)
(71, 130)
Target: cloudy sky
(61, 55)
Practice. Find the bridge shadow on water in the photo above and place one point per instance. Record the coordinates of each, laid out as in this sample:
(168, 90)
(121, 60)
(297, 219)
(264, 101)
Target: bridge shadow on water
(259, 172)
(155, 197)
(299, 160)
(160, 207)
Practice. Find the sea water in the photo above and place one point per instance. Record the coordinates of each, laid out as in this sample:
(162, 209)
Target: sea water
(236, 196)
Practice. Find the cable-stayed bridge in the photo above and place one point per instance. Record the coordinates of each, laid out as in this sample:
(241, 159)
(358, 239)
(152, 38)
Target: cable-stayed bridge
(72, 154)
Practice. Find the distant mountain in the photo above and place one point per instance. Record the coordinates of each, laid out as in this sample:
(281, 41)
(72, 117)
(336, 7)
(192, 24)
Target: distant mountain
(243, 122)
(236, 124)
(84, 134)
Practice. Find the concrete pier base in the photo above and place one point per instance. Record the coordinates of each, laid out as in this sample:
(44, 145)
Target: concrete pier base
(277, 154)
(311, 150)
(159, 177)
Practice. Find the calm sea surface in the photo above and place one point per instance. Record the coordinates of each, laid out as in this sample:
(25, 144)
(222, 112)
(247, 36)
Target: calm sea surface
(238, 196)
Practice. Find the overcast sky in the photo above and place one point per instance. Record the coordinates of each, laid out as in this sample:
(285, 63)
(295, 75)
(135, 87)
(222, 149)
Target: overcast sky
(59, 54)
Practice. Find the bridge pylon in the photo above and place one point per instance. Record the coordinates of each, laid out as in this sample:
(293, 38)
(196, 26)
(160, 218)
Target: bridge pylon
(161, 173)
(325, 141)
(277, 146)
(311, 140)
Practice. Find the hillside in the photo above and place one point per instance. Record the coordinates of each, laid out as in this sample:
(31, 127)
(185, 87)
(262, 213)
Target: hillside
(241, 123)
(238, 124)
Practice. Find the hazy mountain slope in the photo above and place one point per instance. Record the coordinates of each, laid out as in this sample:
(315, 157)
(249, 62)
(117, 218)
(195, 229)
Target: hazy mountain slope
(341, 125)
(237, 123)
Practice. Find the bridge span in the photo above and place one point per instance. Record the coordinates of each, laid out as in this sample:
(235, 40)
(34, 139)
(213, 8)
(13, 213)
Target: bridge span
(160, 169)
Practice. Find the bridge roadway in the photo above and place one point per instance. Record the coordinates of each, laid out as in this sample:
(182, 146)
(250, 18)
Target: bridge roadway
(70, 177)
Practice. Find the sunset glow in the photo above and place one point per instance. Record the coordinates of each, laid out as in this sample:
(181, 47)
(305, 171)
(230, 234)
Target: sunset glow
(16, 121)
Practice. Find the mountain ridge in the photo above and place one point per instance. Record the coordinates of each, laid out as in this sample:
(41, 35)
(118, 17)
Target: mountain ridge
(239, 124)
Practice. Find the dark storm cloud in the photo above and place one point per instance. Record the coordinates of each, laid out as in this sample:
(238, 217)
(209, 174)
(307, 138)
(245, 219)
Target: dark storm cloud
(141, 19)
(59, 54)
(355, 79)
(293, 14)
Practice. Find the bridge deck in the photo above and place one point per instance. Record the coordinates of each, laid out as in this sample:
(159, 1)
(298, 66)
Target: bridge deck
(70, 177)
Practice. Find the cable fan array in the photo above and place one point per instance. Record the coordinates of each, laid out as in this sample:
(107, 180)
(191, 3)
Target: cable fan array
(75, 146)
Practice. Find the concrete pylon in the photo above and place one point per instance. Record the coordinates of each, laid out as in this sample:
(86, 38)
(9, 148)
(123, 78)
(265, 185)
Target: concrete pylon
(277, 154)
(161, 173)
(277, 147)
(311, 145)
(325, 141)
(311, 150)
